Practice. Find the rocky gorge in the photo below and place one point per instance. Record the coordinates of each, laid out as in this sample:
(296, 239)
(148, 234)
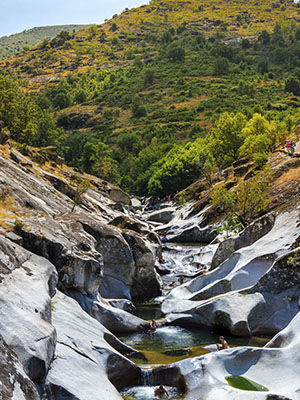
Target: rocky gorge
(71, 270)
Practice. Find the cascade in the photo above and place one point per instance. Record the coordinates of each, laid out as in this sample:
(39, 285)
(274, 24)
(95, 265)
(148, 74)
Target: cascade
(147, 376)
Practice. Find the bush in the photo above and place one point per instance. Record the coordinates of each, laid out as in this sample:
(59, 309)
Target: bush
(221, 66)
(292, 85)
(248, 199)
(176, 53)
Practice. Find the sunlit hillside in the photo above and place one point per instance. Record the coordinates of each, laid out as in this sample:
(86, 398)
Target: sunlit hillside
(140, 99)
(13, 44)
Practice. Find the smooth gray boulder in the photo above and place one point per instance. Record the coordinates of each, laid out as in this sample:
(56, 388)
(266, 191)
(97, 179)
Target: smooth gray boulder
(65, 243)
(26, 286)
(249, 235)
(114, 319)
(272, 366)
(128, 258)
(192, 233)
(119, 266)
(145, 281)
(163, 216)
(123, 304)
(85, 366)
(264, 309)
(255, 291)
(135, 203)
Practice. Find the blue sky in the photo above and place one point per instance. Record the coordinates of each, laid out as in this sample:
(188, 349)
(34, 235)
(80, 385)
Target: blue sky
(17, 15)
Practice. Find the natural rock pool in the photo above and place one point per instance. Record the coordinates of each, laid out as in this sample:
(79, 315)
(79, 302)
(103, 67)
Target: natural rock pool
(169, 344)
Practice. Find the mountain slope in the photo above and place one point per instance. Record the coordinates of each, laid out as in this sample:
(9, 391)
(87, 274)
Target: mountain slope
(140, 99)
(13, 44)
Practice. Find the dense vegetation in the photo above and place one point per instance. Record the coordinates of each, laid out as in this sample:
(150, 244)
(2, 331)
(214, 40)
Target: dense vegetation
(13, 44)
(171, 102)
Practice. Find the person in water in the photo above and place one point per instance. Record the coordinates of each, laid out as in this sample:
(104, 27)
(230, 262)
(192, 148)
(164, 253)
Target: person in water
(223, 345)
(161, 391)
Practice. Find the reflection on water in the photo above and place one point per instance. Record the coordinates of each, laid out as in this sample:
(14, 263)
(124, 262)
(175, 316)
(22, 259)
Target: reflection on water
(147, 393)
(169, 344)
(148, 311)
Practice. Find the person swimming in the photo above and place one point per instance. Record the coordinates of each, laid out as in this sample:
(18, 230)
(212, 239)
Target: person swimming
(161, 391)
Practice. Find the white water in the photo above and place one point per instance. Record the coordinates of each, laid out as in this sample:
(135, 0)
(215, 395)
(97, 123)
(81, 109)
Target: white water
(147, 376)
(147, 393)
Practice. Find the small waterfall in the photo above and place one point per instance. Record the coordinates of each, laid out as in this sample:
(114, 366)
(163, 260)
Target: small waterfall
(147, 377)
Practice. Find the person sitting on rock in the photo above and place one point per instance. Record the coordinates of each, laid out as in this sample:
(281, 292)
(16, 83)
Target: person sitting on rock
(161, 258)
(161, 391)
(223, 345)
(204, 270)
(292, 148)
(153, 325)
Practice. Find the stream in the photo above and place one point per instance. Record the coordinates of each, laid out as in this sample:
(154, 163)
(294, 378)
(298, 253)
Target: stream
(169, 344)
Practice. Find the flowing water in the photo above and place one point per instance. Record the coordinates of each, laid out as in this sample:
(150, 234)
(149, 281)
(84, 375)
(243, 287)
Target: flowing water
(168, 344)
(147, 393)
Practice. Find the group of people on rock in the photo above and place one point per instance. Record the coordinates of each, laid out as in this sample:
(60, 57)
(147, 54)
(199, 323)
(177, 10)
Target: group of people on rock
(290, 145)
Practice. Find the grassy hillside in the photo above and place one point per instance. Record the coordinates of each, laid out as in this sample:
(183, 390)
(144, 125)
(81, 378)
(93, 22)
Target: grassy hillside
(164, 94)
(13, 44)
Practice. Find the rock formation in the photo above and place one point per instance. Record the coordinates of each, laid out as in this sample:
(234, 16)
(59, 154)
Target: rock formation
(272, 366)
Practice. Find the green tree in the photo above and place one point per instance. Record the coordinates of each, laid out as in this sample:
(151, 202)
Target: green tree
(80, 96)
(81, 187)
(248, 199)
(263, 66)
(221, 66)
(226, 138)
(259, 135)
(62, 100)
(181, 166)
(292, 85)
(138, 110)
(264, 38)
(175, 53)
(149, 77)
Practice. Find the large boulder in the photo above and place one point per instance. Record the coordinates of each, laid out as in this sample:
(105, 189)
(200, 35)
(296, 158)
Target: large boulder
(65, 243)
(264, 309)
(191, 233)
(255, 291)
(145, 280)
(164, 216)
(113, 318)
(116, 194)
(119, 266)
(249, 235)
(27, 283)
(86, 365)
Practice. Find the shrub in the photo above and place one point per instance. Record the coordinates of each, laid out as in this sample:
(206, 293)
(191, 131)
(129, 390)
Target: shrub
(175, 53)
(248, 199)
